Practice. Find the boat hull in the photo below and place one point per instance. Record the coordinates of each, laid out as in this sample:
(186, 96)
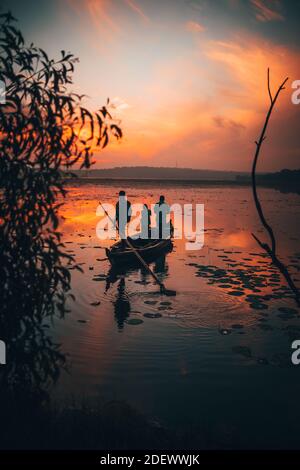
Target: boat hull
(122, 255)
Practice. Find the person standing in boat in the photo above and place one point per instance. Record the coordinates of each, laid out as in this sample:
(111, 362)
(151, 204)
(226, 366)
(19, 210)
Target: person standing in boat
(162, 210)
(146, 223)
(123, 214)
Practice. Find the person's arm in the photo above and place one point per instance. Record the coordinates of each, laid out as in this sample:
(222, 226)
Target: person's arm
(129, 211)
(116, 220)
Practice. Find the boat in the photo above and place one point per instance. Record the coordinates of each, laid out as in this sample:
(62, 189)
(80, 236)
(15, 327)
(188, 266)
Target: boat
(120, 254)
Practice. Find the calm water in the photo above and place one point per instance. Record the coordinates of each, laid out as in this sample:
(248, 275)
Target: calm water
(217, 360)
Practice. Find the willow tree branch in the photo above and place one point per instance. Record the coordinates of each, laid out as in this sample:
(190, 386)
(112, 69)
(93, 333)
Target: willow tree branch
(271, 250)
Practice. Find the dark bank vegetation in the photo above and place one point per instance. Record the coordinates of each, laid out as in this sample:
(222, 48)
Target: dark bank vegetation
(286, 181)
(114, 425)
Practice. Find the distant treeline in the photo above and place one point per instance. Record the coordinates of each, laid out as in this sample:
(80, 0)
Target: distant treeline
(285, 180)
(159, 173)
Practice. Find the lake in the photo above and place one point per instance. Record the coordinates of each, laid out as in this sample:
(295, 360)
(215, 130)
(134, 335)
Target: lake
(217, 359)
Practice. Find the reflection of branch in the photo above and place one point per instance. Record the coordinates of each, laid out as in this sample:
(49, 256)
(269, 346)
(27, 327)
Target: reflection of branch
(265, 246)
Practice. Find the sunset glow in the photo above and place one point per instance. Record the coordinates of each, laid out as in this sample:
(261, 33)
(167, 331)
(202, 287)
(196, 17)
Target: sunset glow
(188, 82)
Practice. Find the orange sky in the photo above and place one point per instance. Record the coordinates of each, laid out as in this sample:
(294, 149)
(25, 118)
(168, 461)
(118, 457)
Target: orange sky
(186, 78)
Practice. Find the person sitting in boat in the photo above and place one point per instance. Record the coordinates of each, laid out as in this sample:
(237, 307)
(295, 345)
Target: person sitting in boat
(123, 214)
(146, 223)
(163, 227)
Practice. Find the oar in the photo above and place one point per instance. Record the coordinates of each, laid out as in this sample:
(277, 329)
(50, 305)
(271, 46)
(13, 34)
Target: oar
(163, 289)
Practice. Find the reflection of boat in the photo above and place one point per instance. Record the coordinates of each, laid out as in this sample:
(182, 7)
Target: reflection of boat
(121, 254)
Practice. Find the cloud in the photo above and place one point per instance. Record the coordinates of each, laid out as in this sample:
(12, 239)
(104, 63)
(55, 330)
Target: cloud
(99, 15)
(208, 113)
(267, 10)
(194, 27)
(235, 126)
(137, 10)
(119, 104)
(243, 63)
(194, 4)
(107, 19)
(200, 102)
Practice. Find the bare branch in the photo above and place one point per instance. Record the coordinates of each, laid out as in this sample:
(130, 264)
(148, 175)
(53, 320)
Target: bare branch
(265, 246)
(269, 87)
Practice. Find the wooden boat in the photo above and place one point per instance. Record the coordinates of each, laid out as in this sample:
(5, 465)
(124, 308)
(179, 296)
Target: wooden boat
(120, 254)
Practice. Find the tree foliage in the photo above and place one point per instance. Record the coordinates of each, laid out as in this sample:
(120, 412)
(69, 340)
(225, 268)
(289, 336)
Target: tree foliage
(44, 129)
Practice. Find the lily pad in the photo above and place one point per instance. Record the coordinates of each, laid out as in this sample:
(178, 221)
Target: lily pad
(258, 306)
(134, 321)
(236, 293)
(291, 311)
(285, 316)
(152, 315)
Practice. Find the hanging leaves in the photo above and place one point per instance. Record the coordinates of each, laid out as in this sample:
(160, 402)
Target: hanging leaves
(44, 128)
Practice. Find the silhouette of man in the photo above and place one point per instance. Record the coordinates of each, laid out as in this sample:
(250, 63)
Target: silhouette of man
(161, 210)
(146, 222)
(123, 214)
